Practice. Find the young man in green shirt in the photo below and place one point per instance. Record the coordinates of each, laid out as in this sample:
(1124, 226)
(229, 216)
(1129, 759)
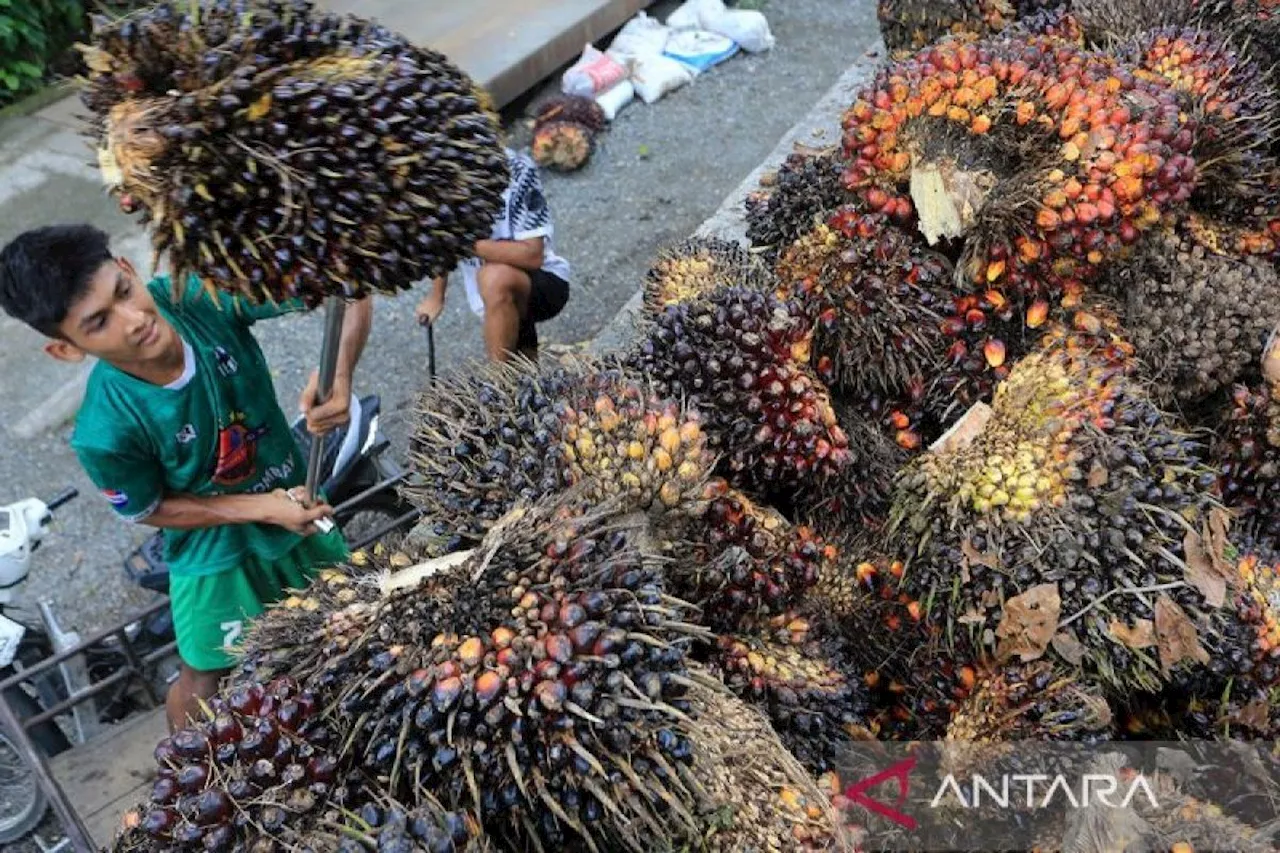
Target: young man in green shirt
(180, 429)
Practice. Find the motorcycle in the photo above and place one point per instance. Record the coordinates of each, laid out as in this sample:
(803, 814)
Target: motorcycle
(357, 478)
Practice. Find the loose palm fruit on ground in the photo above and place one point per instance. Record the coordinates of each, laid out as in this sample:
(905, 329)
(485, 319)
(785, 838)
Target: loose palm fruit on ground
(912, 24)
(1246, 453)
(487, 438)
(742, 559)
(741, 358)
(813, 697)
(279, 152)
(1046, 159)
(806, 189)
(563, 146)
(572, 108)
(1076, 487)
(261, 765)
(1198, 320)
(698, 267)
(877, 295)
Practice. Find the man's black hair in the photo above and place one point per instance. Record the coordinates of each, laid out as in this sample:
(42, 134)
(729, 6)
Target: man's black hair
(45, 270)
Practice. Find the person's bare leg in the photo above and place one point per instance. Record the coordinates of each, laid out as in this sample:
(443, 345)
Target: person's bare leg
(505, 292)
(184, 694)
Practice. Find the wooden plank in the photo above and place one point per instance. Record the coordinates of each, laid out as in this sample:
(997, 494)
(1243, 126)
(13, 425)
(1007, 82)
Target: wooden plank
(112, 772)
(506, 45)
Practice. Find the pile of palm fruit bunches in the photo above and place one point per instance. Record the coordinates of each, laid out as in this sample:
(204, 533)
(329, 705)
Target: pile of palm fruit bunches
(976, 441)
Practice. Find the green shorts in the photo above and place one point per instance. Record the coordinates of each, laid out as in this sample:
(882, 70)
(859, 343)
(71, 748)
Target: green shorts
(210, 612)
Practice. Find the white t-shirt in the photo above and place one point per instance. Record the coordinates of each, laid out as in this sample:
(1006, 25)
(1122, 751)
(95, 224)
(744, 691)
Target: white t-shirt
(525, 215)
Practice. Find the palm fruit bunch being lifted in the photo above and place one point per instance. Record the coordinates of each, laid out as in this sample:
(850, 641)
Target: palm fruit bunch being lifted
(1070, 512)
(1046, 158)
(278, 151)
(500, 434)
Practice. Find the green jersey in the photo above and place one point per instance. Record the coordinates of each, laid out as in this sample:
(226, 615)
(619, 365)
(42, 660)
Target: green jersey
(216, 430)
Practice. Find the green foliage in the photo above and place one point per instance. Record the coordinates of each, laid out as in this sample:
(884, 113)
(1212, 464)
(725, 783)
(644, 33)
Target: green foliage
(32, 35)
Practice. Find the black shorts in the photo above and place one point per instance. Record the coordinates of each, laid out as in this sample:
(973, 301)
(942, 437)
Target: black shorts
(548, 295)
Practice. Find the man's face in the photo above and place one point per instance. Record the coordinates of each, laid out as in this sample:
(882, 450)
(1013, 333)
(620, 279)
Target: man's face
(115, 319)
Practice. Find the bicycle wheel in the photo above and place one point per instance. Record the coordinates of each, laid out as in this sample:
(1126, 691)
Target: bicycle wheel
(22, 802)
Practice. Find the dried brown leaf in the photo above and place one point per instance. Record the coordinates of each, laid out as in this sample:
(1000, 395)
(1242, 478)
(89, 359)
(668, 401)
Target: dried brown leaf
(1201, 572)
(1098, 475)
(1256, 715)
(973, 555)
(1176, 635)
(1141, 635)
(1068, 647)
(1029, 623)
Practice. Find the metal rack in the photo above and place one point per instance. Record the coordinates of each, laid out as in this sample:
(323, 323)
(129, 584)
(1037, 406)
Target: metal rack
(19, 728)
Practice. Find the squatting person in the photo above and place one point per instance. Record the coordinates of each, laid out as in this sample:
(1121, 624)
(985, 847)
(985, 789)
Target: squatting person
(515, 279)
(180, 429)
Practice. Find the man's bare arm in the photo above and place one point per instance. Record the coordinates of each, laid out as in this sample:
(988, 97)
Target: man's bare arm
(524, 254)
(192, 512)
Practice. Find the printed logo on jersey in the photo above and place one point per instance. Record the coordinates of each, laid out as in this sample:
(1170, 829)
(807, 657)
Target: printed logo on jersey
(115, 497)
(187, 434)
(237, 452)
(227, 365)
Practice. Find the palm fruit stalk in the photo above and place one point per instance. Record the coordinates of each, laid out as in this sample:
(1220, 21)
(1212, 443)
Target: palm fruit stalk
(1067, 514)
(1198, 320)
(279, 152)
(696, 268)
(740, 560)
(261, 766)
(907, 25)
(1045, 158)
(1246, 452)
(485, 439)
(563, 146)
(741, 358)
(813, 697)
(806, 188)
(1236, 134)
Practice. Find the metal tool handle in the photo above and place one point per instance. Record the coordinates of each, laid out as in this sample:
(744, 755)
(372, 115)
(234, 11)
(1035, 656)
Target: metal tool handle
(334, 310)
(431, 351)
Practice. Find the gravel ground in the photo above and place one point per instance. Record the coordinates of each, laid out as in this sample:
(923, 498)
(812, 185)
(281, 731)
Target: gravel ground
(660, 170)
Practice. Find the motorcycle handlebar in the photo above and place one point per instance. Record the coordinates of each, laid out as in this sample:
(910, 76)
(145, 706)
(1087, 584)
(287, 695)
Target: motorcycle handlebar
(63, 497)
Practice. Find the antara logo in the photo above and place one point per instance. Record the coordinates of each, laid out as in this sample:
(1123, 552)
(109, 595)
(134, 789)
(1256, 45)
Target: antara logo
(1094, 789)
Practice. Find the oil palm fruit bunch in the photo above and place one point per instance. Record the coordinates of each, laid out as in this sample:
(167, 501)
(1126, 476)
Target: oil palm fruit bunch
(572, 108)
(563, 146)
(876, 294)
(1047, 159)
(278, 152)
(806, 188)
(1076, 487)
(742, 559)
(1236, 106)
(912, 24)
(857, 497)
(1246, 453)
(487, 438)
(386, 826)
(740, 357)
(813, 697)
(696, 268)
(262, 765)
(1197, 319)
